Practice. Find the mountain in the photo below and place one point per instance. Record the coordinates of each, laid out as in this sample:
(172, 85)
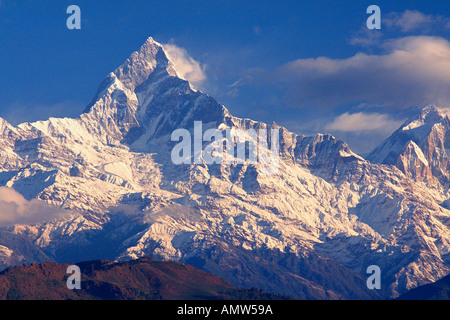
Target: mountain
(439, 290)
(419, 148)
(307, 225)
(142, 279)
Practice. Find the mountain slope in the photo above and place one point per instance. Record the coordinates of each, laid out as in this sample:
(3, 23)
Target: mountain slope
(316, 223)
(439, 290)
(106, 280)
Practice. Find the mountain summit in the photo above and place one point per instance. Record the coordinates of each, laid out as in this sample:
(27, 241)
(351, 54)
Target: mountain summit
(312, 229)
(138, 67)
(420, 147)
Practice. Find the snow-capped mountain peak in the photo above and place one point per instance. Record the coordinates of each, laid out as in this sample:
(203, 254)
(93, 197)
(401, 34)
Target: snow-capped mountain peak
(428, 116)
(150, 58)
(138, 67)
(425, 137)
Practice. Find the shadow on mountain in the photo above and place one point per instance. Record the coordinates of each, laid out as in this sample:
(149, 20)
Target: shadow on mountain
(439, 290)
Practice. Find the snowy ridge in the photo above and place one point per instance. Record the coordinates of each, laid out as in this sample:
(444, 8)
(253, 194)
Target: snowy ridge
(112, 165)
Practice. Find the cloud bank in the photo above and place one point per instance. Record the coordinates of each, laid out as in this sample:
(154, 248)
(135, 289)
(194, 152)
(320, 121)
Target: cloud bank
(413, 20)
(412, 71)
(360, 121)
(15, 209)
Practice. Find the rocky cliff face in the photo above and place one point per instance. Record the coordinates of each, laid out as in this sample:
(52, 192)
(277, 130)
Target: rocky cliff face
(316, 223)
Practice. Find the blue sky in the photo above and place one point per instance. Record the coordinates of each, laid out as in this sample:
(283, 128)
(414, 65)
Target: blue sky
(311, 66)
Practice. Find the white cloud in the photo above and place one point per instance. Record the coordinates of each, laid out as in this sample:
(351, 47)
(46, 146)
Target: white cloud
(15, 209)
(363, 122)
(412, 20)
(188, 68)
(412, 71)
(366, 37)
